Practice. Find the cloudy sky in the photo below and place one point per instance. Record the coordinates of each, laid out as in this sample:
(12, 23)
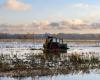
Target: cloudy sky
(54, 16)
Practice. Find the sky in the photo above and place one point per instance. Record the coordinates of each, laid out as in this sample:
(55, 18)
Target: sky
(50, 16)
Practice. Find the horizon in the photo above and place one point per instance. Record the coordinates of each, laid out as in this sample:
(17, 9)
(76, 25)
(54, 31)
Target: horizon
(49, 16)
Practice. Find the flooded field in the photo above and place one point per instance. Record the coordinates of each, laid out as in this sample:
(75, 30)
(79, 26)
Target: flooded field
(63, 68)
(91, 76)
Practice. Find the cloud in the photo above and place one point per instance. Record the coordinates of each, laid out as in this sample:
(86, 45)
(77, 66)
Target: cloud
(66, 26)
(16, 5)
(74, 21)
(84, 6)
(76, 25)
(54, 24)
(81, 5)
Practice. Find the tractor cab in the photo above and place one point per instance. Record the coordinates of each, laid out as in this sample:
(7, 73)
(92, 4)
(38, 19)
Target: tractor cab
(52, 40)
(54, 45)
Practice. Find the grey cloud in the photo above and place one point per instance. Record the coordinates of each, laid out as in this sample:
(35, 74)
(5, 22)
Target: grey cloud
(95, 25)
(54, 24)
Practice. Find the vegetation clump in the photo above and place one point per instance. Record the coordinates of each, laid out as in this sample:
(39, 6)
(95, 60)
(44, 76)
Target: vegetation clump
(39, 65)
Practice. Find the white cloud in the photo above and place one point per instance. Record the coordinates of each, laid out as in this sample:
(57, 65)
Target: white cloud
(84, 6)
(16, 5)
(81, 5)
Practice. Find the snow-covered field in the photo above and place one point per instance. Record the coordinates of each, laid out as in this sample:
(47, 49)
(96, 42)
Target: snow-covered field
(21, 49)
(24, 48)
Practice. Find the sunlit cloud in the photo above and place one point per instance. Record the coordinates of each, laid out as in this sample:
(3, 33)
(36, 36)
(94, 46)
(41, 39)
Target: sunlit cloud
(16, 5)
(74, 21)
